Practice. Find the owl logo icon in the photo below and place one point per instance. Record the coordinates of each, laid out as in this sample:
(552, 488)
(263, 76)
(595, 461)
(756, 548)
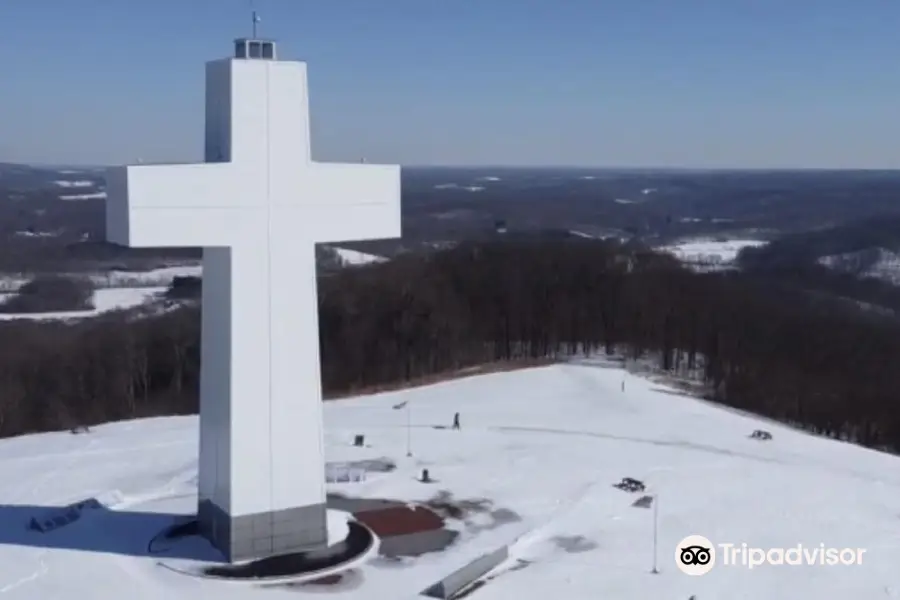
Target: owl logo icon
(695, 555)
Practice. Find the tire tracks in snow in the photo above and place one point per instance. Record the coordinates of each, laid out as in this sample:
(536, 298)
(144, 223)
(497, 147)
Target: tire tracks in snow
(685, 445)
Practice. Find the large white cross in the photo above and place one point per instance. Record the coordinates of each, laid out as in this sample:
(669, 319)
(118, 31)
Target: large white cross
(257, 212)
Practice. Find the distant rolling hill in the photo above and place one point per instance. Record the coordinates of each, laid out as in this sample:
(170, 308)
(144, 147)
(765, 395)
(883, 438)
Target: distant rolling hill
(65, 183)
(857, 261)
(865, 248)
(45, 209)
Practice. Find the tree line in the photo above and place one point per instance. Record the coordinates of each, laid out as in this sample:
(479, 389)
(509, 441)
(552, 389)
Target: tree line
(754, 342)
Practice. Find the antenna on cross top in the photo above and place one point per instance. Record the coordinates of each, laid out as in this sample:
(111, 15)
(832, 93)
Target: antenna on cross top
(253, 48)
(256, 20)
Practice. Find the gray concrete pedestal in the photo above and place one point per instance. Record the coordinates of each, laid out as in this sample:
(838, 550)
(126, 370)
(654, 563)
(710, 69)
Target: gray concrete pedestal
(249, 537)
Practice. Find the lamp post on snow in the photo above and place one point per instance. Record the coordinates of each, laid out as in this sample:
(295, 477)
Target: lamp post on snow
(651, 500)
(408, 429)
(655, 497)
(407, 406)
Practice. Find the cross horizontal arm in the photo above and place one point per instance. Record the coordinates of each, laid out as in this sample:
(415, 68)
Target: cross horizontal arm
(163, 205)
(351, 184)
(352, 201)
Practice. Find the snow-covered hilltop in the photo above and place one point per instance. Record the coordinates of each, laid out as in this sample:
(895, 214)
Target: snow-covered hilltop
(539, 452)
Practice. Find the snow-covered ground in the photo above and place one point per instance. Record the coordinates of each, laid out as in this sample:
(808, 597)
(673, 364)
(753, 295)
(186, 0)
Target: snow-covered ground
(456, 186)
(72, 183)
(105, 300)
(85, 196)
(80, 189)
(117, 290)
(37, 234)
(598, 236)
(354, 257)
(546, 443)
(709, 252)
(153, 278)
(884, 265)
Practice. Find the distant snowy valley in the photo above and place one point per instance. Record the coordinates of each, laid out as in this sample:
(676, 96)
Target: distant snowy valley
(872, 263)
(76, 186)
(707, 253)
(124, 290)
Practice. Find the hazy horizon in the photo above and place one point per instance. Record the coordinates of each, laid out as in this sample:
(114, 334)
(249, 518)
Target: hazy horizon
(518, 167)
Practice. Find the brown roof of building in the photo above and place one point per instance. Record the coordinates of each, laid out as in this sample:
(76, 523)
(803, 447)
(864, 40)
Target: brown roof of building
(400, 520)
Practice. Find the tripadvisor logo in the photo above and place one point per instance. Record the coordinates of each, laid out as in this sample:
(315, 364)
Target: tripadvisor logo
(696, 555)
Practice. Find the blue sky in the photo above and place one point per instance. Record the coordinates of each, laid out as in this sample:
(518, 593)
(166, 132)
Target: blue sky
(732, 83)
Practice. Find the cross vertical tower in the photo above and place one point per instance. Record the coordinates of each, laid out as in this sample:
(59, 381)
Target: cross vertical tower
(257, 206)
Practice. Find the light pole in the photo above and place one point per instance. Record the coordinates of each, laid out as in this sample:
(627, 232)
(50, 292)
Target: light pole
(407, 406)
(655, 532)
(408, 429)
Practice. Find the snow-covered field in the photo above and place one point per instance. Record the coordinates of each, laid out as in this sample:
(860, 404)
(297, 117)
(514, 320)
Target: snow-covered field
(546, 443)
(355, 257)
(709, 252)
(75, 183)
(456, 186)
(85, 196)
(118, 290)
(80, 189)
(105, 300)
(884, 265)
(153, 278)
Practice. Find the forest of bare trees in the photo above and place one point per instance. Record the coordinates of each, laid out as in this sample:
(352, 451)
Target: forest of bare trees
(757, 344)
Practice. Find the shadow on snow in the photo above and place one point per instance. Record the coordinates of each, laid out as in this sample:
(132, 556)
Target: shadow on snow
(89, 526)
